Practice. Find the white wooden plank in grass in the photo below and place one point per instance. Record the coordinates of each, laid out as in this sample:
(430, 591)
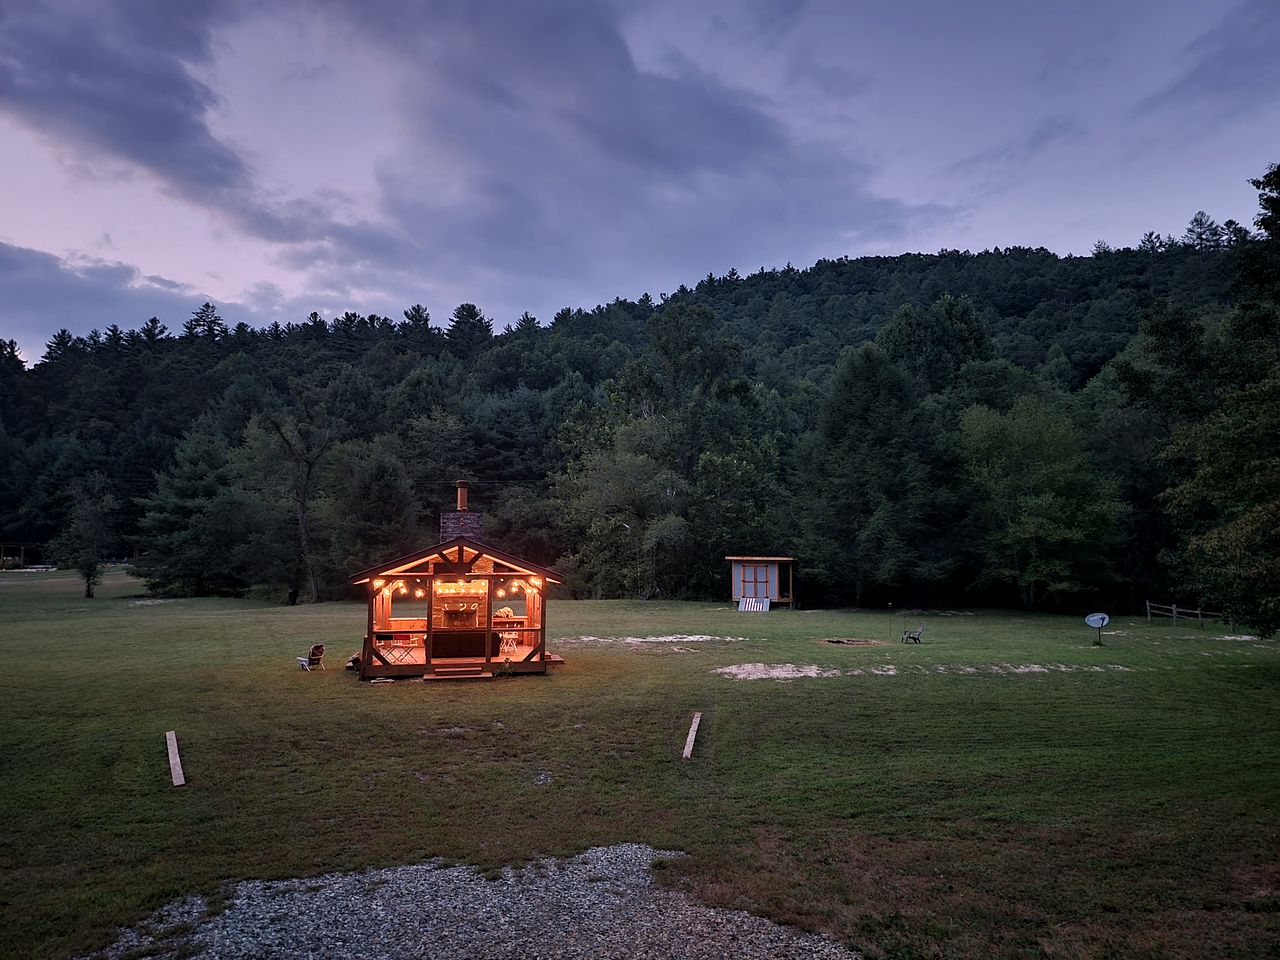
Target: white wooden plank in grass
(175, 762)
(693, 732)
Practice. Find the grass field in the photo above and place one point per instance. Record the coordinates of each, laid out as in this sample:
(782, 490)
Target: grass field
(1007, 790)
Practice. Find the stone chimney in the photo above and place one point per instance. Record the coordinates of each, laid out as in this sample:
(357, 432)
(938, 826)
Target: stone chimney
(461, 522)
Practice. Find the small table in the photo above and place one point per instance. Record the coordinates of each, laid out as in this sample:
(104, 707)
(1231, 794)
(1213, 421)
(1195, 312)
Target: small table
(400, 651)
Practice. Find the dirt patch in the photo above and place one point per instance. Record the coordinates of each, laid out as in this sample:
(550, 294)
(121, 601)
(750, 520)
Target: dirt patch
(856, 642)
(773, 671)
(790, 671)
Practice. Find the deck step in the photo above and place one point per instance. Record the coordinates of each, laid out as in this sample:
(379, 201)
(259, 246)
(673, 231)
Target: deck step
(458, 673)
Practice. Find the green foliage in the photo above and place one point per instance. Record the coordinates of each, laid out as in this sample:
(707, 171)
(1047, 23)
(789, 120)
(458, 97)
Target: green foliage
(865, 509)
(196, 523)
(1230, 503)
(1048, 519)
(817, 412)
(88, 537)
(932, 346)
(469, 331)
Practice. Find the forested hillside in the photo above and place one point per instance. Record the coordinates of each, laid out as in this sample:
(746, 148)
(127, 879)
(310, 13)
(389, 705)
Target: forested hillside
(1006, 427)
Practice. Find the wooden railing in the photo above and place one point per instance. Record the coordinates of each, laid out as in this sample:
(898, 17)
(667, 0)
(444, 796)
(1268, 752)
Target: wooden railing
(1175, 611)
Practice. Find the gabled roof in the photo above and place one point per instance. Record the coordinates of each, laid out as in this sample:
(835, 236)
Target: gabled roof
(465, 551)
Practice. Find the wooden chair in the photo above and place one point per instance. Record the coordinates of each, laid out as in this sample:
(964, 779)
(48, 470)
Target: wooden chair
(315, 658)
(912, 636)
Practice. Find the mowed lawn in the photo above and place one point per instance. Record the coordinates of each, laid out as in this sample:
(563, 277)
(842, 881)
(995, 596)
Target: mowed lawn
(1007, 789)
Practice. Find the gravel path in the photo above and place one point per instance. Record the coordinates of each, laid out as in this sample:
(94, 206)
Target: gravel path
(600, 904)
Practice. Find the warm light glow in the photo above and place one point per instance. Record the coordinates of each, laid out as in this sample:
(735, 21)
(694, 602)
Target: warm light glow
(378, 583)
(501, 592)
(535, 581)
(461, 587)
(419, 594)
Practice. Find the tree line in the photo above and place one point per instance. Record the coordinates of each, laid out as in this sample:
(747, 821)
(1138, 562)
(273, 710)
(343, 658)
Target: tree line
(1004, 427)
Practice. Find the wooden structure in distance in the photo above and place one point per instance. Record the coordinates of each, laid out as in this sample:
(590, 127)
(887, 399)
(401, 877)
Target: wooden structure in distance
(771, 578)
(456, 609)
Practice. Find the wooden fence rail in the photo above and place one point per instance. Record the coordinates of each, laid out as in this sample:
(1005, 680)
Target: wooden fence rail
(1175, 611)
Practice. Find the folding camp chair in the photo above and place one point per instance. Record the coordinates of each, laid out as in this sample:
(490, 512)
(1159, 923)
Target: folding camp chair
(912, 636)
(315, 658)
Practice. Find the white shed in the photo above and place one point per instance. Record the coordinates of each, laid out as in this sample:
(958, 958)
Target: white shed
(763, 578)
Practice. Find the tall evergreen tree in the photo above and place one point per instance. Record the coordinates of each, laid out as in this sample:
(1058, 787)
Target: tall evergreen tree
(469, 331)
(89, 536)
(1048, 519)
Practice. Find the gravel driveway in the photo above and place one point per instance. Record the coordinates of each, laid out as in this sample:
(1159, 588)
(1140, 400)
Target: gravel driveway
(600, 904)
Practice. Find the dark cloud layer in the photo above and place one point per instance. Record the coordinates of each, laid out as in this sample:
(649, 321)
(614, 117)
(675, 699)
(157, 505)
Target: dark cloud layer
(1230, 70)
(568, 166)
(43, 293)
(115, 80)
(549, 153)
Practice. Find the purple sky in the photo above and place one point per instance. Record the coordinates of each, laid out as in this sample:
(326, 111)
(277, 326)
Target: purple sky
(329, 155)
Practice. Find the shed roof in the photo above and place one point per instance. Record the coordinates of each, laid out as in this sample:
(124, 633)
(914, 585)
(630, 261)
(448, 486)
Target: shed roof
(440, 551)
(759, 558)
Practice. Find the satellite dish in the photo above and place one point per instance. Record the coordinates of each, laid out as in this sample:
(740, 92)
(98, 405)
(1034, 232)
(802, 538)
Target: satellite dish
(1097, 621)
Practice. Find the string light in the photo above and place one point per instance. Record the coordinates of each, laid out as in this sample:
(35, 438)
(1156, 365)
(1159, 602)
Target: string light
(461, 587)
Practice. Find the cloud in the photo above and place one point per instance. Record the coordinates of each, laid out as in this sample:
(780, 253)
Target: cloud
(115, 81)
(537, 163)
(540, 152)
(1231, 70)
(44, 292)
(114, 78)
(996, 168)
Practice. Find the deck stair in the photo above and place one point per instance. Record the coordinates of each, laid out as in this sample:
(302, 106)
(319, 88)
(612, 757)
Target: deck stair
(460, 672)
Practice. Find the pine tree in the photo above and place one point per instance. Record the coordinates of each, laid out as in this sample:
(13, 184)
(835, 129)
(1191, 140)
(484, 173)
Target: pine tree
(1203, 232)
(194, 523)
(88, 536)
(205, 324)
(469, 331)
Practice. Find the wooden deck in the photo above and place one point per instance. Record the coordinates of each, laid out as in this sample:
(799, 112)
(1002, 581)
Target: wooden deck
(411, 662)
(397, 654)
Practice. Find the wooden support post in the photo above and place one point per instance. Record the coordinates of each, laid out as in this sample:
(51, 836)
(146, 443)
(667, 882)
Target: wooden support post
(1175, 613)
(1148, 611)
(366, 654)
(175, 762)
(488, 620)
(693, 732)
(426, 640)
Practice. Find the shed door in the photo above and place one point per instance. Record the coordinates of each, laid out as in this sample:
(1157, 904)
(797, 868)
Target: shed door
(755, 580)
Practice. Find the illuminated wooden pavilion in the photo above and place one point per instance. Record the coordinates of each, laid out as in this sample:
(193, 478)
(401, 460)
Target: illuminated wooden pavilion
(457, 609)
